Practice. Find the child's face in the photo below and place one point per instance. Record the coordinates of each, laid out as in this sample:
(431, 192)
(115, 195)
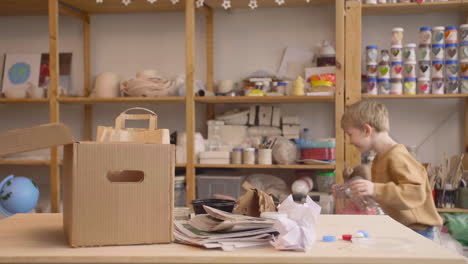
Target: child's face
(359, 138)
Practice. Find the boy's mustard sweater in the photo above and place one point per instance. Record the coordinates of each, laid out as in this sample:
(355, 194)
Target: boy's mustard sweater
(401, 186)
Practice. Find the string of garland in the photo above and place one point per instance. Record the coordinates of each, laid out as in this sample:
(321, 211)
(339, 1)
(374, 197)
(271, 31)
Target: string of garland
(199, 3)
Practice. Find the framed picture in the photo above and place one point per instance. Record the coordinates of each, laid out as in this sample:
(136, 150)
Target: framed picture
(20, 70)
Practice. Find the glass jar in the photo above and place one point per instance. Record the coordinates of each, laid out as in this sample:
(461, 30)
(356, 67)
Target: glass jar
(409, 52)
(451, 51)
(425, 35)
(410, 70)
(451, 34)
(371, 54)
(327, 55)
(396, 86)
(452, 85)
(384, 71)
(464, 33)
(397, 70)
(424, 52)
(397, 36)
(463, 53)
(437, 52)
(438, 35)
(464, 68)
(384, 86)
(236, 156)
(249, 156)
(180, 194)
(437, 86)
(424, 69)
(396, 53)
(371, 70)
(464, 85)
(372, 86)
(437, 69)
(324, 181)
(451, 69)
(424, 86)
(410, 86)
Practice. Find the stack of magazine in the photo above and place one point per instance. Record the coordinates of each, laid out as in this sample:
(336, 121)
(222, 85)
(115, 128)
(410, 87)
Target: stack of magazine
(219, 229)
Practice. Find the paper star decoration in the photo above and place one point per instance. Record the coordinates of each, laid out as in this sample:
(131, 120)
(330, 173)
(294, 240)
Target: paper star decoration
(152, 1)
(279, 2)
(308, 1)
(126, 2)
(226, 4)
(253, 4)
(99, 1)
(174, 1)
(200, 3)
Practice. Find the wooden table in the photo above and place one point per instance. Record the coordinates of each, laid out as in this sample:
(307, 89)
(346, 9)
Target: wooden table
(38, 238)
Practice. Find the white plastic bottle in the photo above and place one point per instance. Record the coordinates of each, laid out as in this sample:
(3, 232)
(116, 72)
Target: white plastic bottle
(302, 186)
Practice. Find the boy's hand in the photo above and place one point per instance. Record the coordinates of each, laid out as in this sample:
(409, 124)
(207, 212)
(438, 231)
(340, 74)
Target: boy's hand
(362, 187)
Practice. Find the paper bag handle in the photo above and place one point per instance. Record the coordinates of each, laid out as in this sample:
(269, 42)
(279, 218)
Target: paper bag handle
(152, 117)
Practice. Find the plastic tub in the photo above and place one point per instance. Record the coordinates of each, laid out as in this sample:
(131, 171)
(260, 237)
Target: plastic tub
(224, 205)
(324, 181)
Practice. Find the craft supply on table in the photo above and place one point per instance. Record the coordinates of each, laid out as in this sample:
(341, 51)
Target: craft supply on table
(425, 35)
(410, 86)
(452, 85)
(329, 238)
(396, 86)
(451, 52)
(438, 35)
(384, 85)
(438, 52)
(451, 34)
(437, 86)
(424, 86)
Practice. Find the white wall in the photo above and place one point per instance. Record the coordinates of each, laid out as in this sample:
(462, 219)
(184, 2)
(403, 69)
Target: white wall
(245, 41)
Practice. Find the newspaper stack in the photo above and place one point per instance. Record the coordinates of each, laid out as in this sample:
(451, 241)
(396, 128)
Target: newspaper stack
(219, 229)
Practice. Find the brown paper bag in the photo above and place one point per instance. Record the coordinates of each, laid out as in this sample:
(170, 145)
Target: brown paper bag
(120, 133)
(254, 202)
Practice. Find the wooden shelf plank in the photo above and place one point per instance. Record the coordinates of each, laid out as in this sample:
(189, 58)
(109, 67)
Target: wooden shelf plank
(452, 210)
(24, 101)
(269, 3)
(179, 165)
(414, 8)
(23, 7)
(88, 100)
(257, 166)
(417, 96)
(264, 99)
(25, 162)
(116, 6)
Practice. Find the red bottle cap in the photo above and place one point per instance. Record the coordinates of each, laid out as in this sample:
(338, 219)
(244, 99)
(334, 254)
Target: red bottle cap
(347, 237)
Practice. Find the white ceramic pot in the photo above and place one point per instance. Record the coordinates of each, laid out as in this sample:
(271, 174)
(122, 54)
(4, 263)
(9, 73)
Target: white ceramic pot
(107, 85)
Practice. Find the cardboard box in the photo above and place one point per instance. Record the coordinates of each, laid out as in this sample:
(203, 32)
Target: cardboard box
(114, 193)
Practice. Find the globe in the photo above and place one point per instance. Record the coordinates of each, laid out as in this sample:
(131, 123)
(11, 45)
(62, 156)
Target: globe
(18, 195)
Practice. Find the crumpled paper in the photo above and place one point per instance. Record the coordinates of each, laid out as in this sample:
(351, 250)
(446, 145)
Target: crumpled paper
(297, 231)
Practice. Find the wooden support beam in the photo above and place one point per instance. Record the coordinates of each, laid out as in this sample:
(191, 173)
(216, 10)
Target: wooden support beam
(353, 37)
(210, 114)
(190, 102)
(53, 103)
(73, 13)
(339, 91)
(88, 109)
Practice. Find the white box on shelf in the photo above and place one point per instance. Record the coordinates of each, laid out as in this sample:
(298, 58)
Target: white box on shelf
(214, 155)
(264, 115)
(290, 120)
(276, 119)
(215, 161)
(291, 129)
(252, 115)
(291, 136)
(208, 185)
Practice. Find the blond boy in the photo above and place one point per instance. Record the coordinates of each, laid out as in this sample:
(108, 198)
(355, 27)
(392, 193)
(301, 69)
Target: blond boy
(399, 183)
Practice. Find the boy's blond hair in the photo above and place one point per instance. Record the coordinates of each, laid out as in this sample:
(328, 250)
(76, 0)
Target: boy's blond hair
(366, 112)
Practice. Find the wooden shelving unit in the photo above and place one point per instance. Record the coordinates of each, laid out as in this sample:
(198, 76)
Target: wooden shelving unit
(25, 162)
(416, 96)
(121, 100)
(23, 101)
(452, 210)
(269, 3)
(413, 8)
(257, 166)
(264, 99)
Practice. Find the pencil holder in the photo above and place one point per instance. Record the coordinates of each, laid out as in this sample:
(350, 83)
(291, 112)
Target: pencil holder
(264, 156)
